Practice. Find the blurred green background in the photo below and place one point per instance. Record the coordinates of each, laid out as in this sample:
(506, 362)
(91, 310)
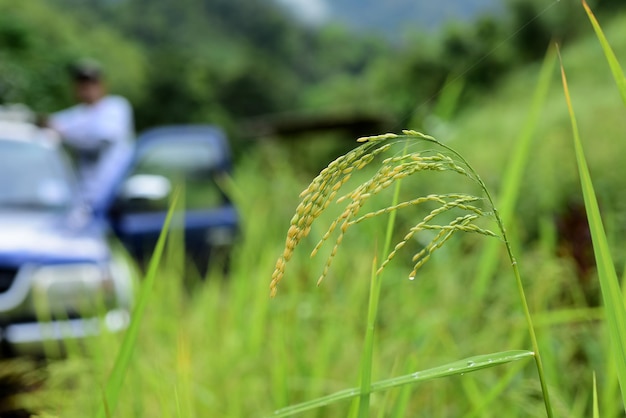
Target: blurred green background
(293, 86)
(226, 62)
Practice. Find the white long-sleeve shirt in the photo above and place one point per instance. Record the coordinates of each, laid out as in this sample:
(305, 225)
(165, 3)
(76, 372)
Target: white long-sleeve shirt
(101, 133)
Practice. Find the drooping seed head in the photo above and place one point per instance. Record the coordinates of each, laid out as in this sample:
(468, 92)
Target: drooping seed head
(324, 188)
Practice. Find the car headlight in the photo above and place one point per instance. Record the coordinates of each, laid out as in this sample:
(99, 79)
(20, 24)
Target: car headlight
(72, 288)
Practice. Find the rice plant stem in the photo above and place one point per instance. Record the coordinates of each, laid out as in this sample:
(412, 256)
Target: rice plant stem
(372, 312)
(518, 278)
(368, 345)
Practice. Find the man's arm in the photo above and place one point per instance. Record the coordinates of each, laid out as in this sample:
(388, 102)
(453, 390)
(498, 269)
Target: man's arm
(91, 130)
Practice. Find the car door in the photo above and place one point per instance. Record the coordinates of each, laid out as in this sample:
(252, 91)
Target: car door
(194, 158)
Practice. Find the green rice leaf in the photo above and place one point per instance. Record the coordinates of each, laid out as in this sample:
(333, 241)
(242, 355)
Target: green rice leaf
(115, 382)
(616, 69)
(596, 409)
(470, 364)
(615, 310)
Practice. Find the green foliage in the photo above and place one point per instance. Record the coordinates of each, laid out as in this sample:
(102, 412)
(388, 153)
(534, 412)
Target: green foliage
(115, 382)
(596, 411)
(228, 350)
(321, 194)
(482, 53)
(37, 43)
(223, 61)
(615, 309)
(226, 61)
(616, 69)
(611, 292)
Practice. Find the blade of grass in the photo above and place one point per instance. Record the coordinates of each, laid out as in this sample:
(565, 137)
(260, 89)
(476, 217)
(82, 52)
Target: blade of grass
(514, 175)
(610, 385)
(402, 401)
(458, 367)
(620, 81)
(615, 310)
(184, 374)
(616, 69)
(114, 384)
(368, 345)
(372, 312)
(596, 410)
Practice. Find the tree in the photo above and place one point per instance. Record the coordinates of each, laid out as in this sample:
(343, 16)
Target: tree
(38, 42)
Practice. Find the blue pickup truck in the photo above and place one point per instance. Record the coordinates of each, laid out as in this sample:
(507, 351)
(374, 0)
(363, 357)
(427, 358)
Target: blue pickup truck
(59, 277)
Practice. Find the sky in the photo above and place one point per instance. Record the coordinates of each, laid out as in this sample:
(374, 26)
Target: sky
(309, 11)
(389, 15)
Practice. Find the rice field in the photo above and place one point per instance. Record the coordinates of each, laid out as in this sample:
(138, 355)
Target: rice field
(514, 325)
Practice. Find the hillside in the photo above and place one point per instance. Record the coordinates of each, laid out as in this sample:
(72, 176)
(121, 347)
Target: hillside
(487, 131)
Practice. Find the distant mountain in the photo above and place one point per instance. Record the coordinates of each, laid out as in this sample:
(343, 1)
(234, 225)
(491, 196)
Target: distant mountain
(391, 17)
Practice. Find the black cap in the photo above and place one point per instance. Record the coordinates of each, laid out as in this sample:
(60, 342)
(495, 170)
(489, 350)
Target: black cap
(86, 69)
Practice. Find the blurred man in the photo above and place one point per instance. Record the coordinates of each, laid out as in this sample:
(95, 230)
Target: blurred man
(99, 129)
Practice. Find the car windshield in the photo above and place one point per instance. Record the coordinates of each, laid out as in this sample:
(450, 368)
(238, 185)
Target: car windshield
(33, 176)
(183, 155)
(171, 162)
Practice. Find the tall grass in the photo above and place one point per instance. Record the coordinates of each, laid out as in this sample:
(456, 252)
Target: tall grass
(115, 383)
(323, 189)
(227, 350)
(461, 209)
(615, 309)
